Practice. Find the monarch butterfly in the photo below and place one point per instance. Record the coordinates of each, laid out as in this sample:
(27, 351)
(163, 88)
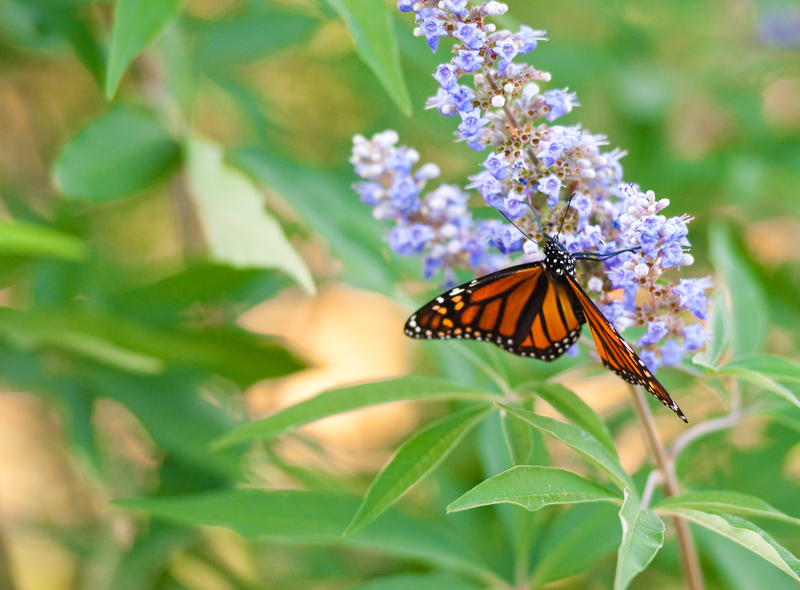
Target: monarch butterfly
(534, 310)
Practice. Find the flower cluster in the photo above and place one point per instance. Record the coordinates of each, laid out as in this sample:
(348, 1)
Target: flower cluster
(533, 168)
(438, 225)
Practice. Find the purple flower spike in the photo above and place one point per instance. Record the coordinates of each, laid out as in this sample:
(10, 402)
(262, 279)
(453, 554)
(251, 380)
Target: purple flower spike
(692, 296)
(506, 50)
(530, 158)
(433, 28)
(672, 255)
(497, 166)
(471, 123)
(470, 35)
(493, 8)
(468, 60)
(694, 336)
(560, 103)
(514, 205)
(444, 75)
(458, 7)
(550, 186)
(508, 239)
(655, 332)
(583, 205)
(529, 38)
(410, 240)
(671, 353)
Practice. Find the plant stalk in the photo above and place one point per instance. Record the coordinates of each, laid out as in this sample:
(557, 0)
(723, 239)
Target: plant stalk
(688, 553)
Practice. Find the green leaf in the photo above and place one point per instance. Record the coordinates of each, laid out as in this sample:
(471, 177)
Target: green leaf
(136, 24)
(76, 405)
(252, 34)
(429, 581)
(121, 343)
(239, 230)
(580, 441)
(727, 502)
(312, 518)
(721, 329)
(38, 329)
(744, 533)
(329, 205)
(574, 409)
(125, 151)
(226, 289)
(642, 537)
(533, 487)
(151, 555)
(178, 419)
(337, 401)
(738, 568)
(774, 367)
(563, 549)
(748, 300)
(371, 25)
(48, 24)
(419, 455)
(39, 242)
(759, 380)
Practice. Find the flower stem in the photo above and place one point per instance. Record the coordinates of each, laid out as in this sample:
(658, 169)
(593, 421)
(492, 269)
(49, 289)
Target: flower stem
(688, 553)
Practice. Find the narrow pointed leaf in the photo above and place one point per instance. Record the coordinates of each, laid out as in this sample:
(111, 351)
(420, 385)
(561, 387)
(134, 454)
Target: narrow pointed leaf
(239, 230)
(738, 568)
(760, 380)
(744, 533)
(136, 24)
(124, 151)
(574, 409)
(748, 301)
(371, 25)
(533, 487)
(580, 441)
(774, 367)
(642, 537)
(564, 550)
(345, 399)
(325, 201)
(251, 34)
(727, 502)
(39, 242)
(721, 329)
(419, 455)
(313, 518)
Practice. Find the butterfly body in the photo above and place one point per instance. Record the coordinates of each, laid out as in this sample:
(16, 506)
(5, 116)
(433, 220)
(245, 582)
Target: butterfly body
(533, 310)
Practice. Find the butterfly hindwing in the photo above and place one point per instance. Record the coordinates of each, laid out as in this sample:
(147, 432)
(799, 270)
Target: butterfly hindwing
(616, 354)
(518, 309)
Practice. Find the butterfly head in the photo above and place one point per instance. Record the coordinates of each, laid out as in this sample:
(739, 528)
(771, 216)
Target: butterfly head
(557, 260)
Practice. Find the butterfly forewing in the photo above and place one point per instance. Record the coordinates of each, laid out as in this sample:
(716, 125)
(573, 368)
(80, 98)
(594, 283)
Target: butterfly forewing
(617, 355)
(518, 309)
(533, 310)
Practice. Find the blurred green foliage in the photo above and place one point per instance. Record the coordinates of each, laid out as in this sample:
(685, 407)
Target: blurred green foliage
(140, 139)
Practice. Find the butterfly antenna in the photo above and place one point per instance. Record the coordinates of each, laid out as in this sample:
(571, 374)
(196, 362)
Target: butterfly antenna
(595, 257)
(563, 219)
(538, 221)
(518, 228)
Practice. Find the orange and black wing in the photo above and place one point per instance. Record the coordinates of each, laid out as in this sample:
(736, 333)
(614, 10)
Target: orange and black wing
(617, 354)
(518, 309)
